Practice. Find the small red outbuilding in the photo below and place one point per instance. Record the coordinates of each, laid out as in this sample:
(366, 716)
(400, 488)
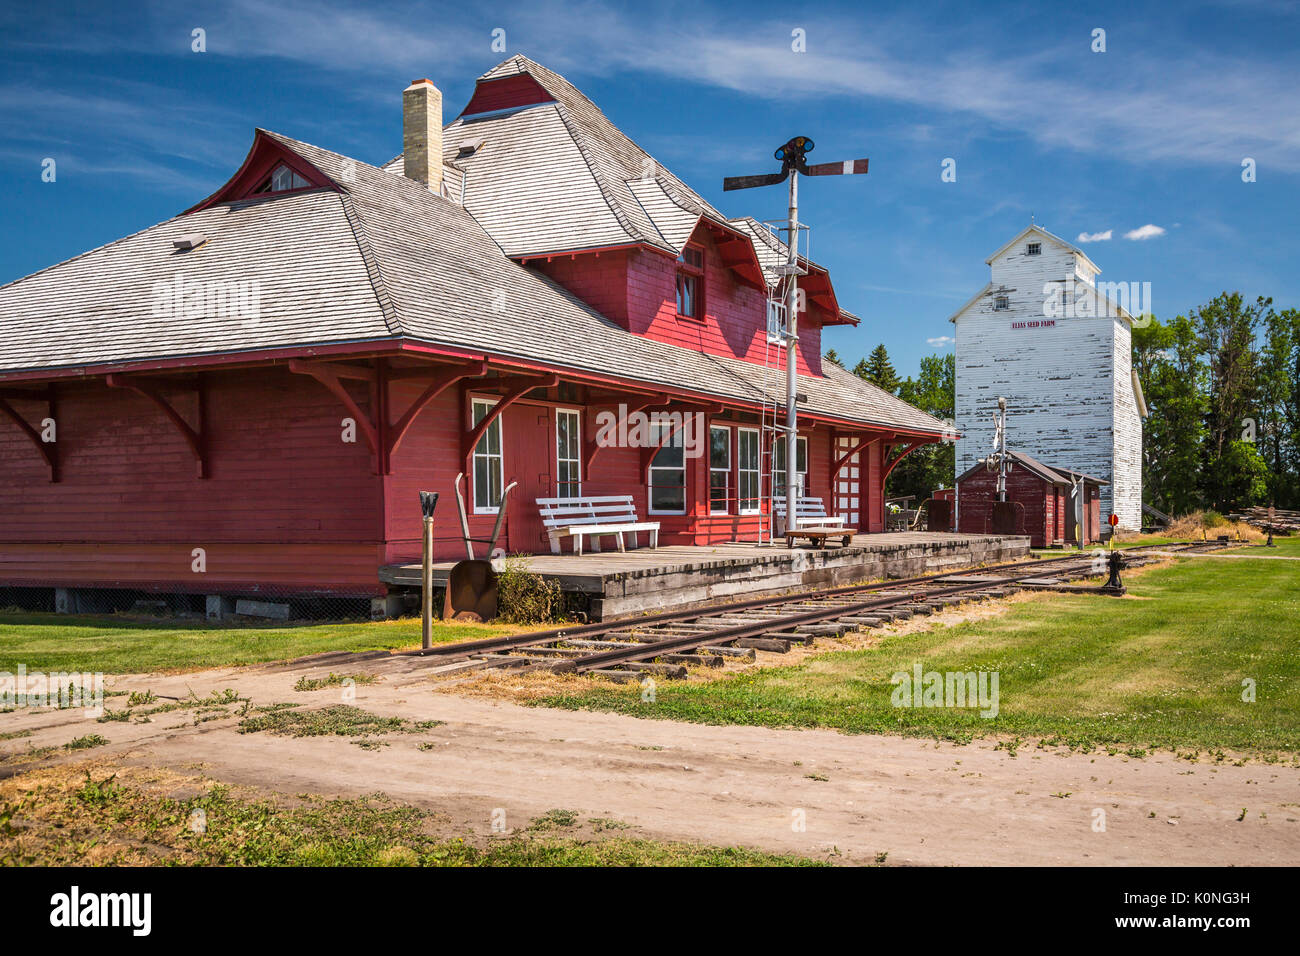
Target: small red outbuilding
(1046, 493)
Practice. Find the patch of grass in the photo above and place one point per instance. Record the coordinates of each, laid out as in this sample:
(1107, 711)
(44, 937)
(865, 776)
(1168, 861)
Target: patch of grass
(1163, 670)
(555, 820)
(341, 720)
(333, 680)
(112, 644)
(62, 817)
(85, 743)
(15, 734)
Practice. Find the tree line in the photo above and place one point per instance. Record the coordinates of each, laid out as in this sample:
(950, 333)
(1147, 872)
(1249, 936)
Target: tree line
(1222, 384)
(1222, 388)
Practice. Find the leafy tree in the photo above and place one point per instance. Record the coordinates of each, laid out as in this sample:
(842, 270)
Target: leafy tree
(1226, 327)
(1279, 395)
(1168, 362)
(833, 356)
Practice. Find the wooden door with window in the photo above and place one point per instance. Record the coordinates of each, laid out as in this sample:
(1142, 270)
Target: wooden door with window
(528, 439)
(848, 483)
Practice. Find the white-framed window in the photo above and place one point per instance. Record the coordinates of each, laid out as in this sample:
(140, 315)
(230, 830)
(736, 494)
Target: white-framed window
(282, 179)
(778, 465)
(568, 453)
(667, 472)
(489, 467)
(1034, 249)
(719, 470)
(749, 488)
(1001, 303)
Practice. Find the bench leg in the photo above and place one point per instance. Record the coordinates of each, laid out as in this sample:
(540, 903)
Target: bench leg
(595, 543)
(619, 536)
(577, 544)
(555, 543)
(654, 539)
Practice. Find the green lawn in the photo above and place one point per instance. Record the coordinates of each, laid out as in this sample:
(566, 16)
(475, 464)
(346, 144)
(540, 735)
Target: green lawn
(1289, 547)
(1163, 668)
(117, 644)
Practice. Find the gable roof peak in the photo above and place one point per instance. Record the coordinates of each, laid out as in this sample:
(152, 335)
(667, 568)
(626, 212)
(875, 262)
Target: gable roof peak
(1035, 229)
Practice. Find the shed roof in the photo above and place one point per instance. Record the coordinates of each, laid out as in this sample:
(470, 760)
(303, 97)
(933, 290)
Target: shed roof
(1056, 476)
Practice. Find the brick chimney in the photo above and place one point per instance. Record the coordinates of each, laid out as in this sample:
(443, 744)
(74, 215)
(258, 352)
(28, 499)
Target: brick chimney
(422, 134)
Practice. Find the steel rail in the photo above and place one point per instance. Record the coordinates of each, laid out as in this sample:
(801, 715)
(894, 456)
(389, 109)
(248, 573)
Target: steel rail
(485, 645)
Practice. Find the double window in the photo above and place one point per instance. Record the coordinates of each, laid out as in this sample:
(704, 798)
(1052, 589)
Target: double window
(719, 469)
(1034, 249)
(568, 453)
(690, 283)
(778, 466)
(488, 464)
(667, 473)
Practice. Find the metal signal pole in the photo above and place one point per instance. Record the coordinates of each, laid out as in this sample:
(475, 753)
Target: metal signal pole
(792, 157)
(792, 357)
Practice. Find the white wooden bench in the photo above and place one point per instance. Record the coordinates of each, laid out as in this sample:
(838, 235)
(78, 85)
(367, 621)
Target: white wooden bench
(592, 517)
(809, 512)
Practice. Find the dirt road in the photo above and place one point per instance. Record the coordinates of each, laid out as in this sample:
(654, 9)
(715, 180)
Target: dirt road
(819, 793)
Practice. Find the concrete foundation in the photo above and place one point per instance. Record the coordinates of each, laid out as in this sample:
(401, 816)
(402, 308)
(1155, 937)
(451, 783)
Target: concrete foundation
(620, 585)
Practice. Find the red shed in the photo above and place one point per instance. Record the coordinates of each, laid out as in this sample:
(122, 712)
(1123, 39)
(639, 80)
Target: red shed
(247, 397)
(1045, 493)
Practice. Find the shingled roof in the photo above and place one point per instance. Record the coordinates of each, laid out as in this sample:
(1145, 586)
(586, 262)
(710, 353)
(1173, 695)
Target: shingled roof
(373, 257)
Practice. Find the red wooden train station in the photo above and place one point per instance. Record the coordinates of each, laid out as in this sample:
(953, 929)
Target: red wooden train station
(247, 397)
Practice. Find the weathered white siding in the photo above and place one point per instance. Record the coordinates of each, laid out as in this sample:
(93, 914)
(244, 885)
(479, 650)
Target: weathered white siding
(1069, 395)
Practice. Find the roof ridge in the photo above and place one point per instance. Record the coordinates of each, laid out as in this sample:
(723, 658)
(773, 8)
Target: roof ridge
(392, 318)
(614, 207)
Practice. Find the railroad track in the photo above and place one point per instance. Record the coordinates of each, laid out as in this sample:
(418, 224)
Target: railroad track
(663, 645)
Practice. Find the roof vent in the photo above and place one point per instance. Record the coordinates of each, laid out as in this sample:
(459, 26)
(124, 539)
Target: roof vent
(187, 242)
(469, 148)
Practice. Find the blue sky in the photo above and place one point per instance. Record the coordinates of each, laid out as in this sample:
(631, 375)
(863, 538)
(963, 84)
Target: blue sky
(1151, 132)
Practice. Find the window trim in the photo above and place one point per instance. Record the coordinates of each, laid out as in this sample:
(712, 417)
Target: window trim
(1033, 248)
(577, 416)
(1001, 303)
(651, 468)
(726, 501)
(500, 456)
(685, 268)
(757, 471)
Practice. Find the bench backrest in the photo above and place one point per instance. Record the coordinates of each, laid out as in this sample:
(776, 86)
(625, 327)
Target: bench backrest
(804, 508)
(607, 509)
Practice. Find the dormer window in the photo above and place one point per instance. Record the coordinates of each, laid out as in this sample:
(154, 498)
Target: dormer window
(1001, 303)
(690, 283)
(1034, 249)
(283, 179)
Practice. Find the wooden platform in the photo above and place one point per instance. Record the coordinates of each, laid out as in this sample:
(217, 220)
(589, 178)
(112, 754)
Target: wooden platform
(620, 584)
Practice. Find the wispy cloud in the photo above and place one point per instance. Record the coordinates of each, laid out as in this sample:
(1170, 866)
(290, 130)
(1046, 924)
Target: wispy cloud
(1094, 236)
(1149, 231)
(941, 341)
